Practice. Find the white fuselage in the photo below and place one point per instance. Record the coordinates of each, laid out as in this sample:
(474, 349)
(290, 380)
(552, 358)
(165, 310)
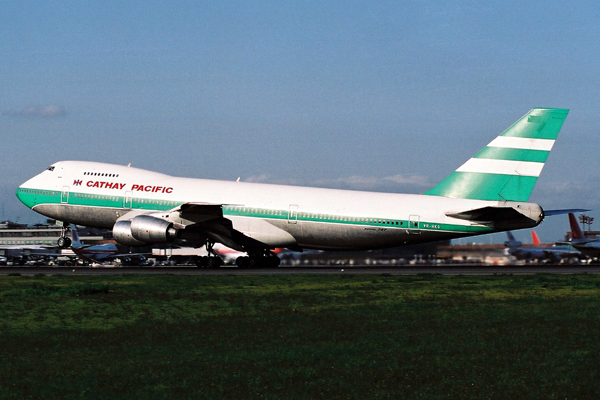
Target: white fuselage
(98, 194)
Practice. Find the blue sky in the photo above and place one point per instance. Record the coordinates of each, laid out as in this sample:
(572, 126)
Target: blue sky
(370, 95)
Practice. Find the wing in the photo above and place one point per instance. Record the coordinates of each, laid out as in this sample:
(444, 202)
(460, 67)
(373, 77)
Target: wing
(198, 222)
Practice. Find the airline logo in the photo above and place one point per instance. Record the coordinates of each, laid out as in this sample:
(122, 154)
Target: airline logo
(105, 185)
(152, 189)
(122, 186)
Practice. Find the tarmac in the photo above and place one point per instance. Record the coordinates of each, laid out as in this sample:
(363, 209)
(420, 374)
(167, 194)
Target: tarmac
(320, 270)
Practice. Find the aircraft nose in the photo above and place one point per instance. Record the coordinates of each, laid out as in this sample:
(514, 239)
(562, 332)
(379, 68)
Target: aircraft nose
(27, 193)
(25, 196)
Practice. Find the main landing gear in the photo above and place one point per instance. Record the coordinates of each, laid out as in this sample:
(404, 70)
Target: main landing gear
(267, 260)
(212, 260)
(64, 241)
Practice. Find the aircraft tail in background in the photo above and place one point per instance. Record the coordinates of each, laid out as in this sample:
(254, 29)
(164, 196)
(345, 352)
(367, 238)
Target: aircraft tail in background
(512, 243)
(76, 242)
(509, 166)
(535, 239)
(576, 232)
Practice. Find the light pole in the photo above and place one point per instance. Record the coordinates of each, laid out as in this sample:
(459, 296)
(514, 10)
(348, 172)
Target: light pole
(584, 219)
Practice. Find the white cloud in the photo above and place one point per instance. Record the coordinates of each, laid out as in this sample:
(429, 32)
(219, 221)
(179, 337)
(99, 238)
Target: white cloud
(417, 180)
(396, 183)
(47, 111)
(266, 178)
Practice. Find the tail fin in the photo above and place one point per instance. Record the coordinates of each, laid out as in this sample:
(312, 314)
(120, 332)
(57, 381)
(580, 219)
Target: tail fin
(75, 235)
(576, 232)
(512, 243)
(535, 238)
(508, 167)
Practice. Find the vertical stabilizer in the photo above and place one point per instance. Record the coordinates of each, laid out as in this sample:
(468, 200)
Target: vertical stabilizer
(512, 243)
(76, 243)
(509, 166)
(535, 238)
(576, 232)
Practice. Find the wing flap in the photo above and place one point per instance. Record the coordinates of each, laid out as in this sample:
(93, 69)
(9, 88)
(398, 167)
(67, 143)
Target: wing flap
(199, 212)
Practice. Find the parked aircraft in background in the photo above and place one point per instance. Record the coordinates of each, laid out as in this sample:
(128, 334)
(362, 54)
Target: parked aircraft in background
(590, 247)
(103, 252)
(539, 253)
(23, 253)
(487, 194)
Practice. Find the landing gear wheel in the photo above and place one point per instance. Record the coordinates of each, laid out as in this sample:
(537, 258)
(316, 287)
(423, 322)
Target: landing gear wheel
(215, 262)
(64, 242)
(245, 262)
(272, 261)
(212, 260)
(200, 262)
(208, 262)
(268, 261)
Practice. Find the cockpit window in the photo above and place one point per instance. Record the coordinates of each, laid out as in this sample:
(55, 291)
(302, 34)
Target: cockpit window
(51, 168)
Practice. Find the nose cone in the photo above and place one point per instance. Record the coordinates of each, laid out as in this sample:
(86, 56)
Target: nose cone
(31, 192)
(26, 195)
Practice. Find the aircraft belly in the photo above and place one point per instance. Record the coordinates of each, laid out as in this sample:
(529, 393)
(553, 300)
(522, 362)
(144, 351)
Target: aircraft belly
(353, 237)
(98, 217)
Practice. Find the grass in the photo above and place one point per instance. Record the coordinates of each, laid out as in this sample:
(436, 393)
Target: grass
(299, 337)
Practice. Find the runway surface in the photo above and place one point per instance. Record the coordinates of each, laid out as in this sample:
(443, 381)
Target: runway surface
(340, 269)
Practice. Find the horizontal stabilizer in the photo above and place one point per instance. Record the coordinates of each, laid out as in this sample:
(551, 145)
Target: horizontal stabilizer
(510, 216)
(549, 213)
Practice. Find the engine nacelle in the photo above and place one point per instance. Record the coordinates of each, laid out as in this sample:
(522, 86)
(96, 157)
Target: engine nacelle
(122, 234)
(152, 230)
(143, 230)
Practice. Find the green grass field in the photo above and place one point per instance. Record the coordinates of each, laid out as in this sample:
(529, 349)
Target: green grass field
(300, 337)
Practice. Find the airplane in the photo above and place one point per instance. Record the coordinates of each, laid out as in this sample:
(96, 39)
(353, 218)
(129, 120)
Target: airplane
(22, 253)
(539, 253)
(590, 247)
(103, 252)
(488, 193)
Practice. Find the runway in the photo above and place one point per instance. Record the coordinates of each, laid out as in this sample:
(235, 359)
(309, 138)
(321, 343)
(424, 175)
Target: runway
(339, 269)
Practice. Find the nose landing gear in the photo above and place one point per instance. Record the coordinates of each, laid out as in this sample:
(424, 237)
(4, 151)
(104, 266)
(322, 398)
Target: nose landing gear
(64, 241)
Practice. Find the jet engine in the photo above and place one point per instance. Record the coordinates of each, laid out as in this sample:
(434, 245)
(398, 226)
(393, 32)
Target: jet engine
(143, 230)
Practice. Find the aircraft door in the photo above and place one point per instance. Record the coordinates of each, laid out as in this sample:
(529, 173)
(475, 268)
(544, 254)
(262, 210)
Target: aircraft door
(413, 224)
(127, 200)
(293, 214)
(64, 195)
